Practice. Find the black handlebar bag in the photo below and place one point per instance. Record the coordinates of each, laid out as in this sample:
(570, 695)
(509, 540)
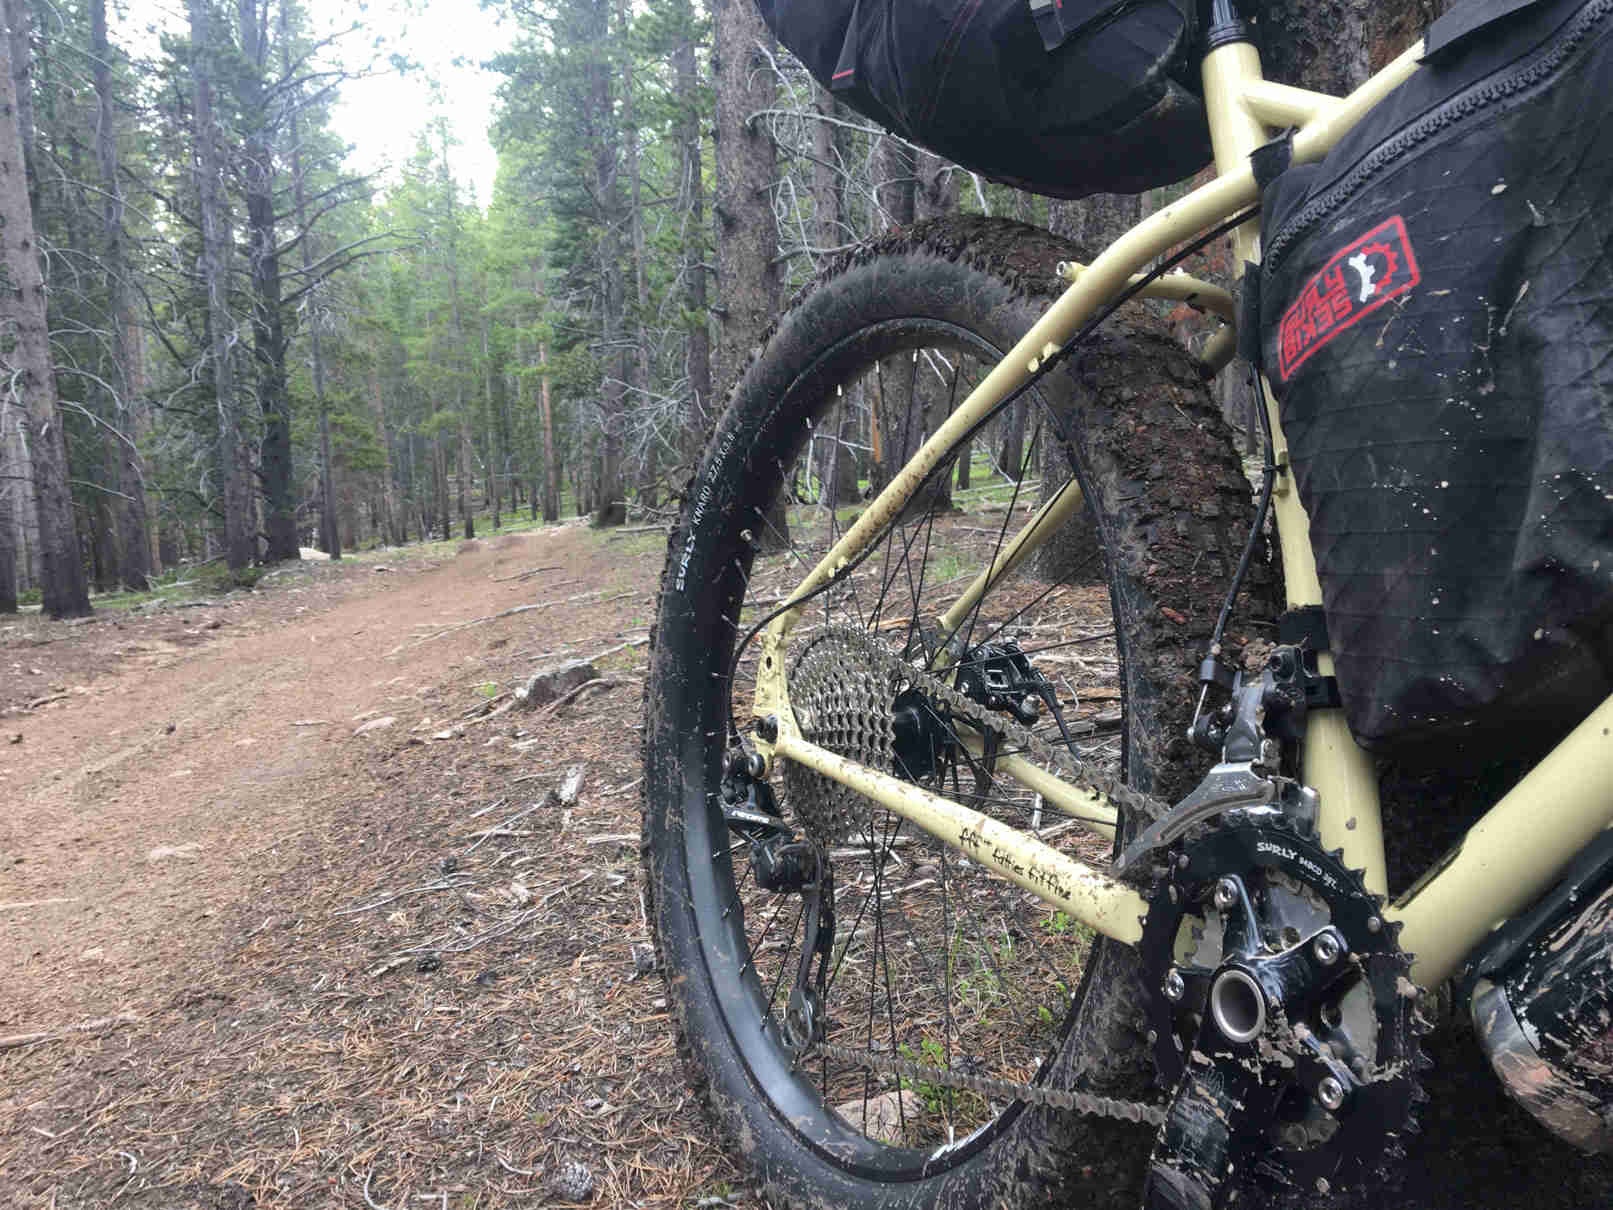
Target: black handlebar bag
(1062, 97)
(1437, 320)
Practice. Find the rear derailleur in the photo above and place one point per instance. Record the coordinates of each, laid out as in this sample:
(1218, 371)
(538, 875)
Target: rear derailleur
(783, 864)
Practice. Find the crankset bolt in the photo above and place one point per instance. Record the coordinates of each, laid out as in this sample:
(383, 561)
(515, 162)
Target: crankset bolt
(1322, 1186)
(767, 728)
(1175, 988)
(1327, 949)
(1330, 1092)
(1226, 893)
(1374, 924)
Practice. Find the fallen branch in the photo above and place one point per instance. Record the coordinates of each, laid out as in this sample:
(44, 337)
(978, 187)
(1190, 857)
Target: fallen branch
(523, 575)
(625, 530)
(99, 1026)
(44, 701)
(445, 884)
(458, 626)
(596, 683)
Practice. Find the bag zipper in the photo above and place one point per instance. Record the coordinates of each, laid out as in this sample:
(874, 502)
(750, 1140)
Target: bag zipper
(1458, 108)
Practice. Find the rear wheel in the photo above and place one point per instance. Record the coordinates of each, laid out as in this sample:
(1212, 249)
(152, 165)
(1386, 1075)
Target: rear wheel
(946, 987)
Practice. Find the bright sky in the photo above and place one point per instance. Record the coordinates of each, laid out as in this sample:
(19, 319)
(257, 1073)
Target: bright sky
(448, 39)
(381, 116)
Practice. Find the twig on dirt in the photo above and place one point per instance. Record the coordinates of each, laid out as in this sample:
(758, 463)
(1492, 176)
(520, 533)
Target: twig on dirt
(450, 883)
(18, 904)
(45, 701)
(524, 575)
(586, 596)
(458, 626)
(596, 683)
(367, 1201)
(512, 1168)
(625, 530)
(633, 642)
(469, 943)
(98, 1026)
(612, 838)
(503, 828)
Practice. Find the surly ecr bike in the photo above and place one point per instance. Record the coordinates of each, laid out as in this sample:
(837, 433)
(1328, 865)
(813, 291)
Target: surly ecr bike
(950, 914)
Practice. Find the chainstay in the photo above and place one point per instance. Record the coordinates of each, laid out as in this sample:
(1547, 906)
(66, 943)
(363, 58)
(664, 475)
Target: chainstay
(1036, 1094)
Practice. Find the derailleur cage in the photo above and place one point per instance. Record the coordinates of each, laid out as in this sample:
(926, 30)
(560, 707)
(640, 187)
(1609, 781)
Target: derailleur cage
(783, 864)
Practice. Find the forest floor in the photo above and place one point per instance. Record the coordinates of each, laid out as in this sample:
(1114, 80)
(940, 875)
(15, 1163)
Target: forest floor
(262, 948)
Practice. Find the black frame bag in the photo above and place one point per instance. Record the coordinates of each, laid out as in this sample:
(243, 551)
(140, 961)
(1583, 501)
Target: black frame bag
(1062, 97)
(1437, 322)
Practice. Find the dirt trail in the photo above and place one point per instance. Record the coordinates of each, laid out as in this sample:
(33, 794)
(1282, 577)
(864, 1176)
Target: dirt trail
(388, 969)
(203, 744)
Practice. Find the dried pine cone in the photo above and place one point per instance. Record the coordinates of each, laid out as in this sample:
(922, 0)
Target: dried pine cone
(572, 1182)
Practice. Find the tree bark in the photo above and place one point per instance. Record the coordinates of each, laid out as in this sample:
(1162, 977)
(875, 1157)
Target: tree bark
(696, 254)
(134, 541)
(12, 484)
(22, 311)
(269, 340)
(237, 496)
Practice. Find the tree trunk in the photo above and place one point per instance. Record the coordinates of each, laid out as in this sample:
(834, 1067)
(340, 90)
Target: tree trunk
(696, 254)
(22, 308)
(239, 537)
(747, 238)
(263, 263)
(129, 510)
(895, 399)
(12, 483)
(639, 358)
(329, 534)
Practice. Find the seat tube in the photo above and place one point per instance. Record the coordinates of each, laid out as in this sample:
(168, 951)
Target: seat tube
(1343, 775)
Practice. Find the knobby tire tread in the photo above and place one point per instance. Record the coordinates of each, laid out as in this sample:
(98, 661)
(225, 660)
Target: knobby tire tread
(1158, 453)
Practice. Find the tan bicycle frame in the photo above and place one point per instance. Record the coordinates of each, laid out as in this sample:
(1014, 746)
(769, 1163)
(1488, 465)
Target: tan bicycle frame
(1515, 852)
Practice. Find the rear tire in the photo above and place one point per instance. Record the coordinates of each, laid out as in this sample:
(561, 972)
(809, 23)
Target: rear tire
(976, 977)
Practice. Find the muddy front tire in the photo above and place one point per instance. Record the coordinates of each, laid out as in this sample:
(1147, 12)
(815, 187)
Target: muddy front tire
(934, 962)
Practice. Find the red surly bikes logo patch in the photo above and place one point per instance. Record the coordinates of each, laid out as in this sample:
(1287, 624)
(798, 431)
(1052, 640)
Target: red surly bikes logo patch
(1357, 281)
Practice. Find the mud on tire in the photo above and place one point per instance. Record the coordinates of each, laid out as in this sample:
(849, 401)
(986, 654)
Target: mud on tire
(933, 961)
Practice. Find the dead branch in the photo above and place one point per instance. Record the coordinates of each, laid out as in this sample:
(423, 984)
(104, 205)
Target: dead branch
(596, 683)
(99, 1026)
(528, 574)
(458, 626)
(442, 884)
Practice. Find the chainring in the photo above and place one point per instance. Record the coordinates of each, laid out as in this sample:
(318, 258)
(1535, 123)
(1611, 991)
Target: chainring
(1317, 1100)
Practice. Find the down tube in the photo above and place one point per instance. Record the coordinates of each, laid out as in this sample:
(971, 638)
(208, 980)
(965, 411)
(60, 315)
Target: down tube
(1107, 906)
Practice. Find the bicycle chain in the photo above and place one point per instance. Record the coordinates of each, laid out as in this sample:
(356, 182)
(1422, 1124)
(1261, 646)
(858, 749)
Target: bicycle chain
(1057, 1098)
(843, 701)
